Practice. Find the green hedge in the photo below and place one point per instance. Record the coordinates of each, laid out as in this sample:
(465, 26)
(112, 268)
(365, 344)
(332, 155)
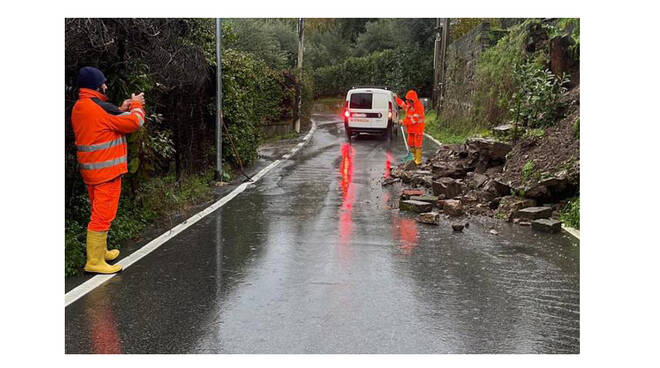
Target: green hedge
(398, 69)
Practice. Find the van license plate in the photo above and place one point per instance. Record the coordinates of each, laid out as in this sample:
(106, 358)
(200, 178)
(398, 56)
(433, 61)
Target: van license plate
(359, 120)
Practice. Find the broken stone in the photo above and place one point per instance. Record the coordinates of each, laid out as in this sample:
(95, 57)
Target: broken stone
(533, 213)
(448, 187)
(497, 187)
(390, 181)
(453, 207)
(425, 198)
(429, 218)
(546, 225)
(509, 205)
(477, 180)
(407, 193)
(502, 130)
(444, 169)
(415, 206)
(493, 231)
(457, 227)
(490, 148)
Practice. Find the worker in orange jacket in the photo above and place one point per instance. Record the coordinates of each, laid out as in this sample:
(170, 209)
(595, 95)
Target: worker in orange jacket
(414, 123)
(100, 128)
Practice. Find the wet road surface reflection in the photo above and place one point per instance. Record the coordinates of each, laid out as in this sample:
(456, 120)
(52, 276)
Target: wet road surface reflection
(315, 258)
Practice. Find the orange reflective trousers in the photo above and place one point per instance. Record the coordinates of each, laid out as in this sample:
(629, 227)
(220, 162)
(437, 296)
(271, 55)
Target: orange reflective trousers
(104, 198)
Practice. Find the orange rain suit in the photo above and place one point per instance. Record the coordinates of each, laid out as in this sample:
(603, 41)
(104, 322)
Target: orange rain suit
(100, 128)
(414, 120)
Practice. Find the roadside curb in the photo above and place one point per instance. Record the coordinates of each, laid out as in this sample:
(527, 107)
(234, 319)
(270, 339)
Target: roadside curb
(96, 281)
(573, 232)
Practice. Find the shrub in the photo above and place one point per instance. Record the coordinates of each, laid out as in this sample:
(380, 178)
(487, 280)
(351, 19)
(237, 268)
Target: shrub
(537, 99)
(570, 214)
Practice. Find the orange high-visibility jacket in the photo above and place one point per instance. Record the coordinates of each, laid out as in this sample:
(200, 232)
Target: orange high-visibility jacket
(414, 120)
(99, 128)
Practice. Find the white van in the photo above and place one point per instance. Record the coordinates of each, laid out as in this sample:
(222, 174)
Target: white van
(370, 110)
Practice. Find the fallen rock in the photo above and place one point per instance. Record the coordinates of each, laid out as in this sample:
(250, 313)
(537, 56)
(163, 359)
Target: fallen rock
(415, 206)
(497, 187)
(425, 198)
(407, 193)
(490, 148)
(533, 213)
(503, 130)
(511, 204)
(547, 225)
(493, 231)
(453, 207)
(448, 187)
(467, 224)
(390, 181)
(457, 227)
(524, 223)
(476, 180)
(444, 169)
(431, 218)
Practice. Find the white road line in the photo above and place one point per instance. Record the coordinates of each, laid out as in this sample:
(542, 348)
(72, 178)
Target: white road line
(98, 280)
(433, 139)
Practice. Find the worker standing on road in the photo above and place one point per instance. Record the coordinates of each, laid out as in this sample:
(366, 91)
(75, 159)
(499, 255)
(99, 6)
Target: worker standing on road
(100, 129)
(414, 123)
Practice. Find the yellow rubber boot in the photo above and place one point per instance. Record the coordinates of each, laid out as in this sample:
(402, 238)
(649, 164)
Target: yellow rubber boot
(418, 155)
(111, 254)
(96, 254)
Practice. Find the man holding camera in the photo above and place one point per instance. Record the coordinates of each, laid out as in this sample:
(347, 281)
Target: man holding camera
(100, 128)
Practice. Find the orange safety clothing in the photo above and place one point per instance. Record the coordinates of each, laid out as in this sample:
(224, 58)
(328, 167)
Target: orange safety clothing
(99, 128)
(105, 201)
(414, 120)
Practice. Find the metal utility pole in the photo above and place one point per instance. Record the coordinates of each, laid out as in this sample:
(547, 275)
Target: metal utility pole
(443, 54)
(301, 47)
(218, 100)
(436, 67)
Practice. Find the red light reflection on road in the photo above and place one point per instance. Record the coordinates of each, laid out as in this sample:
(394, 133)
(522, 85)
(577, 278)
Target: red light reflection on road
(103, 328)
(348, 199)
(388, 164)
(405, 230)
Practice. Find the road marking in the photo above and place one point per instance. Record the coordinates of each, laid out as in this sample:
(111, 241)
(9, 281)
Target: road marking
(126, 262)
(433, 139)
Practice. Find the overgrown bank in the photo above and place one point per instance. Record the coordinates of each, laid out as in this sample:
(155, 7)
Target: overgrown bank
(525, 93)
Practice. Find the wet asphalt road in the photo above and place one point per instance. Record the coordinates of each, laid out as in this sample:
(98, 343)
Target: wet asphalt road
(315, 258)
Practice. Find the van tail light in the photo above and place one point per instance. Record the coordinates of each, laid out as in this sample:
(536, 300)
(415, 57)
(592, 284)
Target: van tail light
(347, 113)
(389, 110)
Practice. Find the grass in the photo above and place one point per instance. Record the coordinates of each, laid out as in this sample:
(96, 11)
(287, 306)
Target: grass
(157, 198)
(452, 132)
(529, 171)
(570, 214)
(291, 135)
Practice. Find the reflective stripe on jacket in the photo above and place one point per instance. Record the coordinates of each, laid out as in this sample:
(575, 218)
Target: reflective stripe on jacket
(99, 128)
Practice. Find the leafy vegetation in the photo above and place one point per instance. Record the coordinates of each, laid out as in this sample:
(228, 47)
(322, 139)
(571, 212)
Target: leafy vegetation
(537, 101)
(400, 69)
(570, 214)
(529, 171)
